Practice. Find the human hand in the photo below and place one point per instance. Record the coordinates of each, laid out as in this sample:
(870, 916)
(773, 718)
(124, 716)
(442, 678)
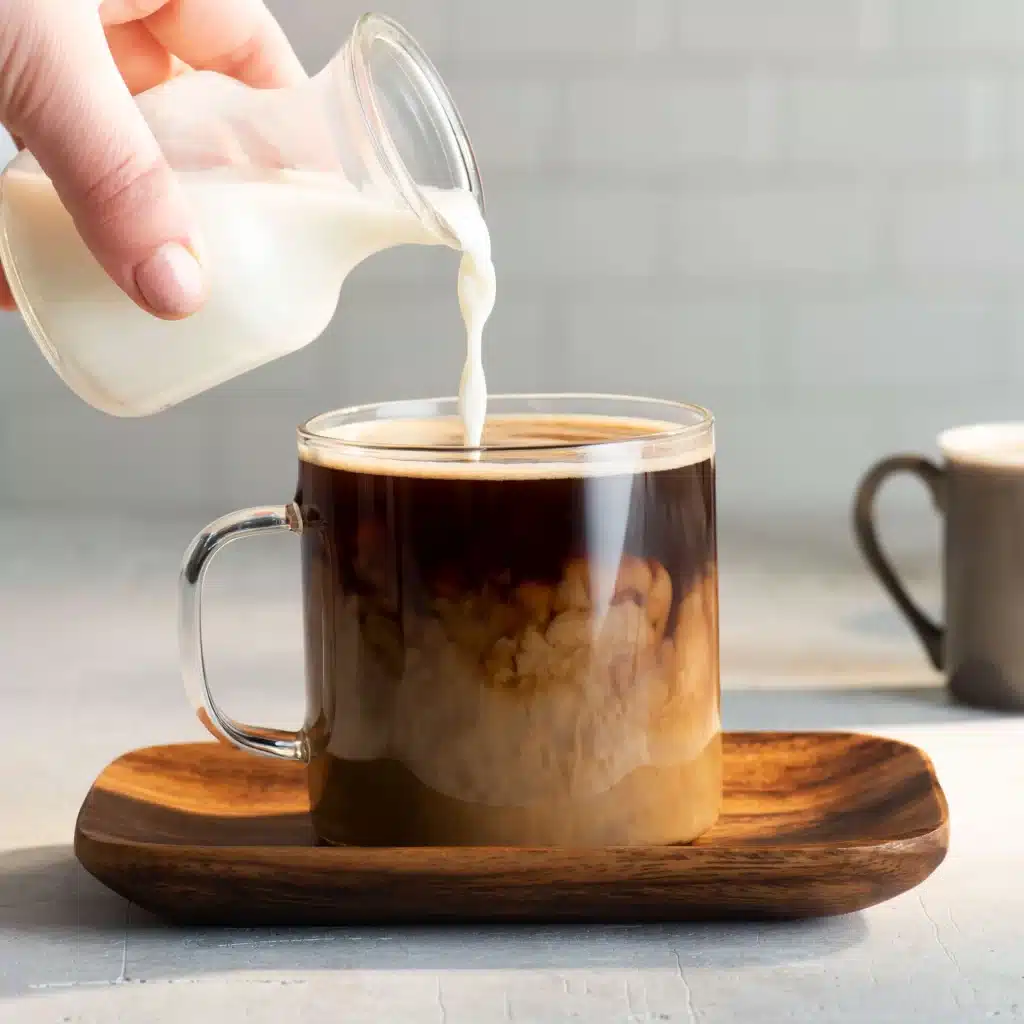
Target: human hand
(68, 71)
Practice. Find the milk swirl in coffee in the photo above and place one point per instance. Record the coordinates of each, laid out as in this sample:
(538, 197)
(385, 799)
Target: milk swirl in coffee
(516, 650)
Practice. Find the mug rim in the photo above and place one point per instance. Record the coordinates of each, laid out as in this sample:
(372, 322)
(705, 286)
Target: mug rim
(983, 444)
(311, 431)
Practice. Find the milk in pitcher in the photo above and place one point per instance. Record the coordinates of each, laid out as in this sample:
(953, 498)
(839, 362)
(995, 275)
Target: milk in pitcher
(291, 188)
(276, 248)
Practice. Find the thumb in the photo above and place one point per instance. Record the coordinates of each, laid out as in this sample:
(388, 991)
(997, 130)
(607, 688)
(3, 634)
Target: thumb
(62, 93)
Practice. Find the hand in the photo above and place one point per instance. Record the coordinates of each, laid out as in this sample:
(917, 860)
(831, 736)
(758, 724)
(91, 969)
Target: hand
(68, 70)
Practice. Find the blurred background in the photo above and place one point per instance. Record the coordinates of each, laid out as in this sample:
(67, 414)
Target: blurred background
(805, 214)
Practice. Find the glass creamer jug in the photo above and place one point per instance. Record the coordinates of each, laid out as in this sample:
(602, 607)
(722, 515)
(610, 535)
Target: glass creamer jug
(291, 189)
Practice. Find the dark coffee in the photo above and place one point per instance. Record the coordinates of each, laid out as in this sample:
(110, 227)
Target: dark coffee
(521, 650)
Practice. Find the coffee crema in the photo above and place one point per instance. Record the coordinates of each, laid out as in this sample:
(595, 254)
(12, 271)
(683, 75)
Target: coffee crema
(514, 446)
(514, 647)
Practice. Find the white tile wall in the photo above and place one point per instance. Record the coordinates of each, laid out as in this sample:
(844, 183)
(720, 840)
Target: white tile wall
(847, 344)
(968, 228)
(528, 28)
(570, 232)
(777, 232)
(749, 27)
(808, 214)
(514, 120)
(625, 121)
(65, 454)
(693, 348)
(956, 26)
(881, 119)
(1013, 125)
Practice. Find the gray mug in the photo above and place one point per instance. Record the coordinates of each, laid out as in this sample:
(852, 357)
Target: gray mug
(979, 490)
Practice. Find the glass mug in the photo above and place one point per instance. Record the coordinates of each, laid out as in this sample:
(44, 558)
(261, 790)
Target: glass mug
(510, 645)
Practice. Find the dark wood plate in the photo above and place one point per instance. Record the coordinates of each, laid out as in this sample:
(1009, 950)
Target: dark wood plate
(813, 824)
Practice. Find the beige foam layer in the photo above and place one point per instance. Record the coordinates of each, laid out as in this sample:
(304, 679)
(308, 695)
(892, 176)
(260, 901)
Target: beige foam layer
(986, 444)
(579, 446)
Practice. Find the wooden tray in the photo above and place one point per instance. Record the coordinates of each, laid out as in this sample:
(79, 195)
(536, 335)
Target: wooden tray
(813, 824)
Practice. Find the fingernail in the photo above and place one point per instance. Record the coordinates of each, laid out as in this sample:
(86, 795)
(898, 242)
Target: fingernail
(171, 281)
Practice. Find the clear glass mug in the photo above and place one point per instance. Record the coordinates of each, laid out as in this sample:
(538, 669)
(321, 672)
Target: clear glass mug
(510, 645)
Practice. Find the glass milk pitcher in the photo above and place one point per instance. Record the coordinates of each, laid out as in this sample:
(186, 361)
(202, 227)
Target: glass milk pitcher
(292, 188)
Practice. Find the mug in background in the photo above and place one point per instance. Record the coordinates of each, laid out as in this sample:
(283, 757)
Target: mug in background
(511, 645)
(980, 491)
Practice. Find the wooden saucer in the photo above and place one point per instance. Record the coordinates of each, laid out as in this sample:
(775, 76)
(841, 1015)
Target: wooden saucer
(812, 824)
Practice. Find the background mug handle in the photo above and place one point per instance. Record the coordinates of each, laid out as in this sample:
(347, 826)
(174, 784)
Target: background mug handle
(930, 634)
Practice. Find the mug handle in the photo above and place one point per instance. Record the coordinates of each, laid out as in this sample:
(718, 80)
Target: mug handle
(291, 746)
(930, 634)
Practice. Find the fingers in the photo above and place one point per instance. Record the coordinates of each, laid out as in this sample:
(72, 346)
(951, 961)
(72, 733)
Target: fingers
(64, 97)
(7, 302)
(239, 38)
(142, 61)
(6, 298)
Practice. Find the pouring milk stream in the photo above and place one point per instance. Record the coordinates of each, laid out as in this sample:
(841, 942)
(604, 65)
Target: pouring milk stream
(291, 189)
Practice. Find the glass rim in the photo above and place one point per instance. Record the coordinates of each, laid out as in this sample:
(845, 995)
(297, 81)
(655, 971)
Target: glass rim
(309, 432)
(372, 28)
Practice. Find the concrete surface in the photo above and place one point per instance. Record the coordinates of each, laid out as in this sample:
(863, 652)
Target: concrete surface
(88, 669)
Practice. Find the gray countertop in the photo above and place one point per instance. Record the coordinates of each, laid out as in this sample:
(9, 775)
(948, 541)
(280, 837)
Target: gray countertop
(88, 662)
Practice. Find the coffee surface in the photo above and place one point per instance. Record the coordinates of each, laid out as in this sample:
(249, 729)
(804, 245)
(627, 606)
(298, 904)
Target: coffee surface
(520, 648)
(514, 446)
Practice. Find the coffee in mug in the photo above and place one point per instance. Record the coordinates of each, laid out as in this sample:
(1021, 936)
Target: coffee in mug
(979, 490)
(510, 645)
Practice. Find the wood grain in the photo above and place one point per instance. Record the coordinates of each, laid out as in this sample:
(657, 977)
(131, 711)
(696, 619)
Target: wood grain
(813, 824)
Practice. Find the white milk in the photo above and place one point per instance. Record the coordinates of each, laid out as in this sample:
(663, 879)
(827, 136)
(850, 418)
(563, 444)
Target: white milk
(476, 300)
(276, 249)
